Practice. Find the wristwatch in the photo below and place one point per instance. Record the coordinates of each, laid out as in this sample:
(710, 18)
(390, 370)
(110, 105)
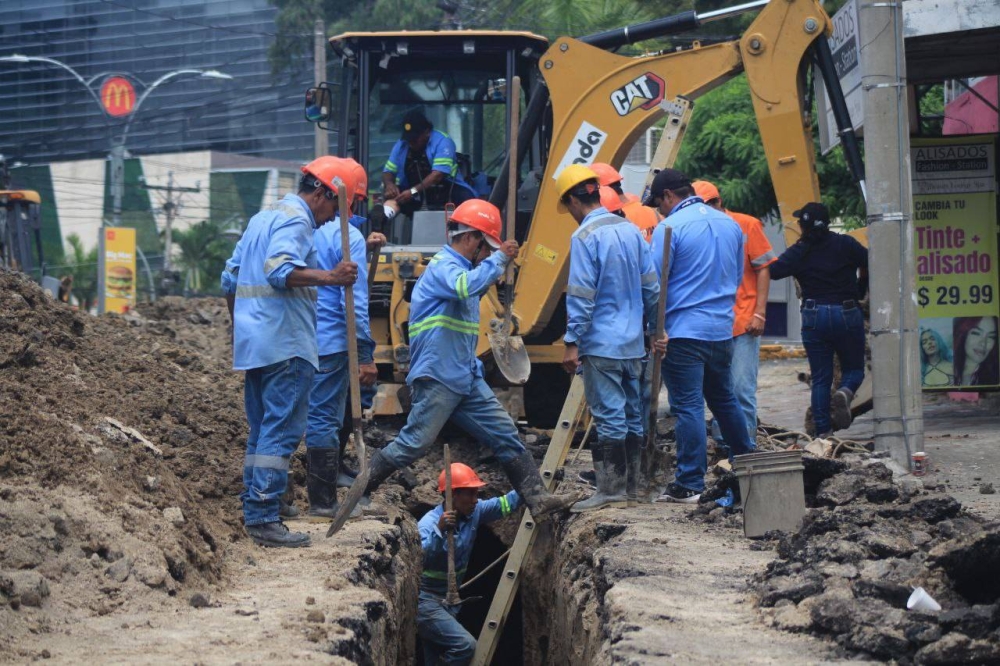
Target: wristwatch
(413, 191)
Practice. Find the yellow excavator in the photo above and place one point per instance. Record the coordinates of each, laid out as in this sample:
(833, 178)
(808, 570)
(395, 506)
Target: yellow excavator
(582, 104)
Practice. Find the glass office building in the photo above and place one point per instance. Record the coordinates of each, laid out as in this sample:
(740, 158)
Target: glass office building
(47, 116)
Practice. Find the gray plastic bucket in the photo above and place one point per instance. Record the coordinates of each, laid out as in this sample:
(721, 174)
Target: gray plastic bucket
(773, 494)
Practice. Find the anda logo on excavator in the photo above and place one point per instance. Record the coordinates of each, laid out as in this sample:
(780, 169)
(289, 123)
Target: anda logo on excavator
(644, 92)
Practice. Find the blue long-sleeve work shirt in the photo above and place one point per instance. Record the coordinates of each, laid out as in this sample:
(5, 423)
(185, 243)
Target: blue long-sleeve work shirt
(435, 543)
(441, 153)
(612, 287)
(706, 267)
(272, 322)
(444, 318)
(331, 318)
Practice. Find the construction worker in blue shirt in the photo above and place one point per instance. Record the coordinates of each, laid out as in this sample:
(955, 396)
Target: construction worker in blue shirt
(443, 637)
(422, 167)
(329, 395)
(446, 378)
(706, 268)
(611, 295)
(270, 284)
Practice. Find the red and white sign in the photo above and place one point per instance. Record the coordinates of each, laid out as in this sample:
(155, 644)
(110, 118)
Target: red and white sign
(117, 96)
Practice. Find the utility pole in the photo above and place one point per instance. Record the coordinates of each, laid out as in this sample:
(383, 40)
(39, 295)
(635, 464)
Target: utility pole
(898, 408)
(117, 181)
(170, 207)
(319, 60)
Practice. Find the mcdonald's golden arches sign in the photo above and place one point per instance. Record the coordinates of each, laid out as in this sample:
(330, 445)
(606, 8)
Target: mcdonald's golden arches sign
(117, 96)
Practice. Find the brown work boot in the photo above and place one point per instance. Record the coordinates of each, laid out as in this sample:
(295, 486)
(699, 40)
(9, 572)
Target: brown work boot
(524, 476)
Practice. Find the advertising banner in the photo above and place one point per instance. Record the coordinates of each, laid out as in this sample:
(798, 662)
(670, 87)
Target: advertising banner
(955, 226)
(117, 269)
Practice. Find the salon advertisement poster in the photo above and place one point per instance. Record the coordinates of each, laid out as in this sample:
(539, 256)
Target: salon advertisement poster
(955, 233)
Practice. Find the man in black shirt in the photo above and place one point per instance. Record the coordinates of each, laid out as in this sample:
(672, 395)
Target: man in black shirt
(827, 267)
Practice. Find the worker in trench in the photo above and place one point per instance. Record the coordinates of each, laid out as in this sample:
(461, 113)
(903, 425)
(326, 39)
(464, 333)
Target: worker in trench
(446, 378)
(444, 638)
(706, 268)
(270, 285)
(611, 296)
(329, 397)
(750, 310)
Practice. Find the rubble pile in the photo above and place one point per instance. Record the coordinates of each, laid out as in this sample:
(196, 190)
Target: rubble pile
(866, 543)
(201, 324)
(120, 458)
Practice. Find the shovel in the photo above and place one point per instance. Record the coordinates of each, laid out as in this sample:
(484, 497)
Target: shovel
(509, 351)
(452, 599)
(357, 488)
(650, 454)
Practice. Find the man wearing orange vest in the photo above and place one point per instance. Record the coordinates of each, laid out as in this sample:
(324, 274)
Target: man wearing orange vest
(641, 216)
(750, 309)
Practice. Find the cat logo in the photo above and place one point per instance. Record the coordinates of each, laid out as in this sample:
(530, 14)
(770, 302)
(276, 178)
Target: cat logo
(644, 93)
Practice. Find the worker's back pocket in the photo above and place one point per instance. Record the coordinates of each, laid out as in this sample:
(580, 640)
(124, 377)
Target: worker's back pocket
(809, 316)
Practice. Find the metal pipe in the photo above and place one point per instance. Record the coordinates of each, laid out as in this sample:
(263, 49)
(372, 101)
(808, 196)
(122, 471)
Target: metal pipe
(727, 12)
(845, 129)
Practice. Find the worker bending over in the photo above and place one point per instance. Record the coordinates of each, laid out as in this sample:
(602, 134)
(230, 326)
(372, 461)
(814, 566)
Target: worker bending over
(446, 378)
(330, 387)
(612, 293)
(270, 285)
(444, 639)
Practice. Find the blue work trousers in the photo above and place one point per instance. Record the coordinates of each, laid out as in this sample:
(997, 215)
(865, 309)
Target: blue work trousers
(444, 638)
(746, 361)
(614, 394)
(276, 398)
(696, 372)
(480, 414)
(327, 402)
(829, 330)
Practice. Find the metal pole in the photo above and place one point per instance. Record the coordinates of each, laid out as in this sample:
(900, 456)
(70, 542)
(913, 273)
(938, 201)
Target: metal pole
(117, 181)
(168, 209)
(898, 411)
(319, 61)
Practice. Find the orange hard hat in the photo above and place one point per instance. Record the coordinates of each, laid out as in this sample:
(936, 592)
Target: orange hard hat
(332, 171)
(462, 476)
(360, 180)
(606, 174)
(482, 216)
(705, 190)
(610, 199)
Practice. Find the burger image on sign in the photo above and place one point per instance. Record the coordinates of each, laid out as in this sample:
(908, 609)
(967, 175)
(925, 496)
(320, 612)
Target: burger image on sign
(119, 282)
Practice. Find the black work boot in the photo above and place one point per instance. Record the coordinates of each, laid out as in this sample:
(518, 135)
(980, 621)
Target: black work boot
(524, 476)
(610, 480)
(276, 535)
(345, 475)
(321, 482)
(633, 465)
(286, 509)
(840, 412)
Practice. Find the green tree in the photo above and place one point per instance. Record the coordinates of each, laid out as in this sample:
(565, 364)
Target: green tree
(82, 265)
(203, 255)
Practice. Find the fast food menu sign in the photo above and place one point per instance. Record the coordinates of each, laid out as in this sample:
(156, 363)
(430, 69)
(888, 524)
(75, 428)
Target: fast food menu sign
(955, 233)
(117, 285)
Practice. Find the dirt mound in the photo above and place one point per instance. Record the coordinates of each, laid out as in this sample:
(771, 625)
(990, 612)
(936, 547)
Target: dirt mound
(866, 543)
(200, 324)
(119, 458)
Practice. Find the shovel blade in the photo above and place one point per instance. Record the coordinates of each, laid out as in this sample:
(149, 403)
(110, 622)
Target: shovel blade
(354, 494)
(511, 357)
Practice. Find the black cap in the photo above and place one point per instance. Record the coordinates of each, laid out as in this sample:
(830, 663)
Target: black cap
(813, 215)
(415, 123)
(666, 179)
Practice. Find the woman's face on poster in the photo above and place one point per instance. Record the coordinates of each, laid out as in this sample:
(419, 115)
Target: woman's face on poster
(928, 343)
(981, 340)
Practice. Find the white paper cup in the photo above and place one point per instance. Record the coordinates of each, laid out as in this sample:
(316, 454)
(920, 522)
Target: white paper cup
(920, 600)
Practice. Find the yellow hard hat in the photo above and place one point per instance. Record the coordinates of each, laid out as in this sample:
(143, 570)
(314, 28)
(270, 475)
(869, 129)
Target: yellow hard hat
(569, 178)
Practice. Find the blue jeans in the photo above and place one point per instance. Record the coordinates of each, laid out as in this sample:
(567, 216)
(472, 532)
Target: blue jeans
(480, 414)
(746, 361)
(276, 398)
(442, 636)
(613, 391)
(327, 402)
(829, 330)
(696, 372)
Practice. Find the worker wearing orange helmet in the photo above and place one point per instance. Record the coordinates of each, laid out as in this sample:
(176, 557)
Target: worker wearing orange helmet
(446, 379)
(641, 216)
(328, 399)
(443, 637)
(270, 284)
(750, 310)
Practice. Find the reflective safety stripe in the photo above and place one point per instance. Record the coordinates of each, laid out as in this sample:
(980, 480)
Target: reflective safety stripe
(764, 259)
(462, 285)
(581, 292)
(390, 166)
(267, 462)
(444, 321)
(267, 291)
(441, 575)
(603, 221)
(287, 210)
(275, 262)
(504, 506)
(235, 270)
(649, 278)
